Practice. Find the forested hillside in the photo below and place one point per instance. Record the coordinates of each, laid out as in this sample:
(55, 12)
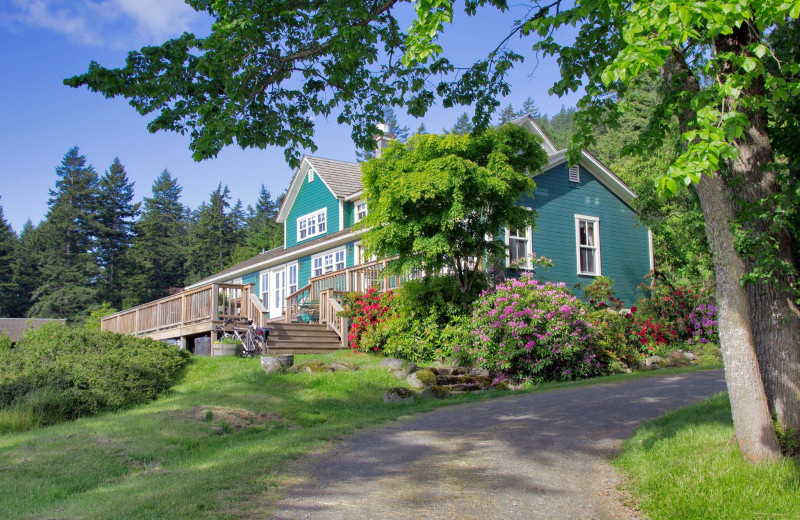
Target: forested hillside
(97, 247)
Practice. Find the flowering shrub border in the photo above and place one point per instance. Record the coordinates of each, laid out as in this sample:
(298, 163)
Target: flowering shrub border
(532, 330)
(366, 311)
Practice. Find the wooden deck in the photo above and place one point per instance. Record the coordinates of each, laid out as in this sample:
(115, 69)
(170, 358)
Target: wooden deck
(189, 313)
(198, 311)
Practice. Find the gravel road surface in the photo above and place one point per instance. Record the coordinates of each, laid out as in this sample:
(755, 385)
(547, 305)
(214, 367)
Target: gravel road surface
(533, 456)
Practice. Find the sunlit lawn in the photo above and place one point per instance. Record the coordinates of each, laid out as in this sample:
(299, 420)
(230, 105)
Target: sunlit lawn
(686, 464)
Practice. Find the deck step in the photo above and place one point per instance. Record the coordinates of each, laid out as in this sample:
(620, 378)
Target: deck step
(302, 338)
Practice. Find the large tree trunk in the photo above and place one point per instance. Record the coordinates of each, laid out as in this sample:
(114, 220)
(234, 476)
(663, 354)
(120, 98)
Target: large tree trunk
(774, 317)
(751, 418)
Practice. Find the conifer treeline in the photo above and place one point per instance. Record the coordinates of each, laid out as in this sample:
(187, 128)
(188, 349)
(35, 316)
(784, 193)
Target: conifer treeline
(96, 245)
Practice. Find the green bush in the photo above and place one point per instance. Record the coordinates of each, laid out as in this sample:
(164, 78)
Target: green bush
(420, 326)
(5, 342)
(59, 373)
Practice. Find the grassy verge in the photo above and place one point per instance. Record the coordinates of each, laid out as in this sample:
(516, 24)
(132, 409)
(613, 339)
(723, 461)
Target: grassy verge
(686, 465)
(183, 456)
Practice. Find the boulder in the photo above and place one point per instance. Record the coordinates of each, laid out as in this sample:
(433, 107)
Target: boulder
(342, 366)
(435, 392)
(399, 395)
(426, 376)
(655, 362)
(691, 356)
(271, 364)
(479, 371)
(393, 364)
(312, 367)
(415, 381)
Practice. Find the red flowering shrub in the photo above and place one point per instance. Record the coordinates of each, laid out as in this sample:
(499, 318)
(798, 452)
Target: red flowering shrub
(366, 311)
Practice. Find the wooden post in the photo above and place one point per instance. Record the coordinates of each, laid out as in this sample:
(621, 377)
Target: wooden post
(344, 325)
(214, 302)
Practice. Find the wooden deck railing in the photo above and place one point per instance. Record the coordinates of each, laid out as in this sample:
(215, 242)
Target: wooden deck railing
(213, 302)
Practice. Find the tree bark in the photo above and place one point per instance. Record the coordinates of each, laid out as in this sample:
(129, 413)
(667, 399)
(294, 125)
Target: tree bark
(751, 418)
(774, 317)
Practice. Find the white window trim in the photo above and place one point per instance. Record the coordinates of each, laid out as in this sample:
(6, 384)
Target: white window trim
(355, 210)
(317, 232)
(528, 248)
(289, 292)
(596, 221)
(322, 256)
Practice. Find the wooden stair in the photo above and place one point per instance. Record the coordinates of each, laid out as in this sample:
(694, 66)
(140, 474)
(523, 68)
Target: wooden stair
(302, 338)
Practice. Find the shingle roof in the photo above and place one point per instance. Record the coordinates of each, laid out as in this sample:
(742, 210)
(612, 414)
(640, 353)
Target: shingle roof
(15, 328)
(343, 178)
(269, 255)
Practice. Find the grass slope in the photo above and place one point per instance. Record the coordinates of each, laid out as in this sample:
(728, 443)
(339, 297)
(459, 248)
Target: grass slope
(686, 464)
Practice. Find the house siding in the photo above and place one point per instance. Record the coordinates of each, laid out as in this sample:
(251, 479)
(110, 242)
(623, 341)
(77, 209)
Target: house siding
(349, 214)
(311, 197)
(624, 242)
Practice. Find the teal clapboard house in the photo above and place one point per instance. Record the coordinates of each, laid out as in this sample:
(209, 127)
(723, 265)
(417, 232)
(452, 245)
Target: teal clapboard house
(585, 225)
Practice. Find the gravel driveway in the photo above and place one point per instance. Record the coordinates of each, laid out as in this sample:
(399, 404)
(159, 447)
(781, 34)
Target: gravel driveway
(529, 456)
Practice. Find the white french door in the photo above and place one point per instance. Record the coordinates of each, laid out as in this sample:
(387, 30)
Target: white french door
(278, 291)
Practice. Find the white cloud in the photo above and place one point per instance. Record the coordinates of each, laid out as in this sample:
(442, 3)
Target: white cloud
(47, 14)
(100, 22)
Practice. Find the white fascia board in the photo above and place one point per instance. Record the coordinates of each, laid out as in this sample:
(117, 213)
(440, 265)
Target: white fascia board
(354, 196)
(294, 189)
(266, 264)
(530, 124)
(341, 214)
(600, 172)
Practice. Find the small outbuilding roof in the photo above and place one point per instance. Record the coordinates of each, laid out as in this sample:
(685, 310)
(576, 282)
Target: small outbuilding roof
(15, 328)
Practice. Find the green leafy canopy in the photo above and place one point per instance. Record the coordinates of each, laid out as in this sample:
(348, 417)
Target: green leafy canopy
(440, 200)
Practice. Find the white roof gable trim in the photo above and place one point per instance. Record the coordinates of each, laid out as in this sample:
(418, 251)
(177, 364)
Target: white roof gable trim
(599, 170)
(528, 123)
(294, 188)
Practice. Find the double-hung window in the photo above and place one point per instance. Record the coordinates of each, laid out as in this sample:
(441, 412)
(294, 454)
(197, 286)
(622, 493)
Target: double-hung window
(587, 235)
(292, 275)
(361, 210)
(519, 247)
(312, 224)
(327, 262)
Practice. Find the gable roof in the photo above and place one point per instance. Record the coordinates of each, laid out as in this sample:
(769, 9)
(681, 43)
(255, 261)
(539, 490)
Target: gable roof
(530, 124)
(600, 171)
(342, 178)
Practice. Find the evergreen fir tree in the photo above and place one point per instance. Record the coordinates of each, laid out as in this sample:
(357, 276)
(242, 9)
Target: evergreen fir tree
(262, 231)
(529, 108)
(8, 286)
(68, 271)
(463, 125)
(212, 236)
(421, 130)
(156, 258)
(115, 230)
(29, 251)
(507, 115)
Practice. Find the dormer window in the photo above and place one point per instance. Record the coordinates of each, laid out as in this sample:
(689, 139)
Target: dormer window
(361, 210)
(312, 225)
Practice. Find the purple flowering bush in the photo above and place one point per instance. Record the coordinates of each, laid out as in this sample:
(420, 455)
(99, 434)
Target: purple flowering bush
(531, 330)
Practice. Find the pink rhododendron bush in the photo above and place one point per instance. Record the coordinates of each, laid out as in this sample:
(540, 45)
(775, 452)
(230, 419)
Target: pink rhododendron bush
(531, 330)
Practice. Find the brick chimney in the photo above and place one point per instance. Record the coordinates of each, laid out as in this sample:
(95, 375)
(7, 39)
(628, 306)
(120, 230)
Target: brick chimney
(383, 140)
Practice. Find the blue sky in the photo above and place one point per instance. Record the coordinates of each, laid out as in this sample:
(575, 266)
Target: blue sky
(45, 41)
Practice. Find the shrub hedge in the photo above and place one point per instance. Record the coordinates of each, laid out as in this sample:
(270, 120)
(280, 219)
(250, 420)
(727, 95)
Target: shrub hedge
(59, 373)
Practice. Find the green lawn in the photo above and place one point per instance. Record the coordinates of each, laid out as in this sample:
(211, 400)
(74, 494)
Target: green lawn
(686, 465)
(161, 461)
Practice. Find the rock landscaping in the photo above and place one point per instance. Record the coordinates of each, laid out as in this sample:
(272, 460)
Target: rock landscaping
(271, 365)
(437, 382)
(676, 358)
